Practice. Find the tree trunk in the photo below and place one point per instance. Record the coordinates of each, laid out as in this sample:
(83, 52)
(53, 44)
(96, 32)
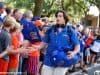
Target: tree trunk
(38, 8)
(62, 4)
(49, 14)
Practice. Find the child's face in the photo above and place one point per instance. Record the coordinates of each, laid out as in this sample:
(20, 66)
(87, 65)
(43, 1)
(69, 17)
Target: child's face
(87, 31)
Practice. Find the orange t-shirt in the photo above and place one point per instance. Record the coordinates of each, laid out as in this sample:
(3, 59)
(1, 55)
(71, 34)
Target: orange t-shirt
(37, 52)
(89, 40)
(13, 59)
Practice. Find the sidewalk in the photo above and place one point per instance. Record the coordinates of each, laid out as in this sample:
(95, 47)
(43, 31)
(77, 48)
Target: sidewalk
(93, 70)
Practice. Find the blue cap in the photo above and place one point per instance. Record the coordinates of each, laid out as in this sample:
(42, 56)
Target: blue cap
(35, 18)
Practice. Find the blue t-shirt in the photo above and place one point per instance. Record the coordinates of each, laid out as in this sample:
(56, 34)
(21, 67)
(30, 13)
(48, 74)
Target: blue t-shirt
(1, 20)
(30, 31)
(61, 40)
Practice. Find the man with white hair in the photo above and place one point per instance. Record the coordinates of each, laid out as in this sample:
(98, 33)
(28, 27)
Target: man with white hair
(31, 33)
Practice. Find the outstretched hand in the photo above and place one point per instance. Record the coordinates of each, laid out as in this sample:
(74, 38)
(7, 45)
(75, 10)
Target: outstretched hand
(10, 49)
(36, 47)
(71, 54)
(28, 50)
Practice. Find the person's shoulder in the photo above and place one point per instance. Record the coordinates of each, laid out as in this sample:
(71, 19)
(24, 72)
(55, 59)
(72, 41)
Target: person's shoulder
(30, 23)
(4, 34)
(70, 29)
(51, 27)
(23, 22)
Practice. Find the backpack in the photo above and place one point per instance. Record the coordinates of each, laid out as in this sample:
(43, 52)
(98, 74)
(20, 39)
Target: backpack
(59, 57)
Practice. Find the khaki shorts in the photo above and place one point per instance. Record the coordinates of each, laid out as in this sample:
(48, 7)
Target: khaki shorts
(47, 70)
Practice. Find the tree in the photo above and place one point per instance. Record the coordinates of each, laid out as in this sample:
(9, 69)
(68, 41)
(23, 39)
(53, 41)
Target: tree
(38, 7)
(95, 2)
(49, 7)
(34, 5)
(75, 8)
(26, 4)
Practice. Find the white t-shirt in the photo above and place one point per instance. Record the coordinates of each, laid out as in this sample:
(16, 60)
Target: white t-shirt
(96, 46)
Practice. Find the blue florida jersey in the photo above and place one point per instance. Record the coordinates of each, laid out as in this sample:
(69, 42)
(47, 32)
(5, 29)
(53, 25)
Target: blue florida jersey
(30, 31)
(57, 42)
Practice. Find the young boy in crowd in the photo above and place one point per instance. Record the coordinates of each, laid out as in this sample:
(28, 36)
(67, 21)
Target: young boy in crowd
(5, 42)
(13, 58)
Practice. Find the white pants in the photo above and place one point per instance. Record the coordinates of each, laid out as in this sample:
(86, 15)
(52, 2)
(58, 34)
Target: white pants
(46, 70)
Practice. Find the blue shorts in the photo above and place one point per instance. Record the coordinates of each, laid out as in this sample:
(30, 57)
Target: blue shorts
(87, 52)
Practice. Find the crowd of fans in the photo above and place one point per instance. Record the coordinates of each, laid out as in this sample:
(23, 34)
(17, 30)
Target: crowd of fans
(20, 32)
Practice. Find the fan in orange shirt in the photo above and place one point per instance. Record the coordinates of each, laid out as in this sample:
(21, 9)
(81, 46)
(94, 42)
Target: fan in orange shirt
(13, 62)
(13, 58)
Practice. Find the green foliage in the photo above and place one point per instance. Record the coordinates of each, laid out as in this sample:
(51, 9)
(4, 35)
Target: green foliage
(95, 2)
(27, 4)
(76, 8)
(48, 7)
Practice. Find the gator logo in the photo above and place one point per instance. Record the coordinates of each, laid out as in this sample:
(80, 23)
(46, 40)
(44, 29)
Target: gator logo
(33, 35)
